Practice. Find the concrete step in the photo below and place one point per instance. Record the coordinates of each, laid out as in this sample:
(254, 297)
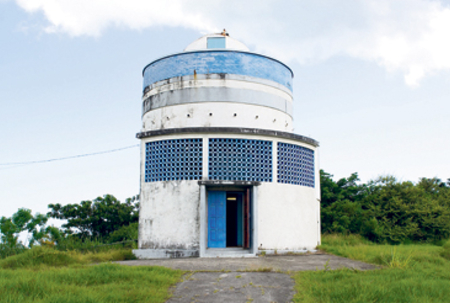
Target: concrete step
(229, 252)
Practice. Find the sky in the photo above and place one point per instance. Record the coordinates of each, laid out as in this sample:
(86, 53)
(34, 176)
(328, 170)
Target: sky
(371, 84)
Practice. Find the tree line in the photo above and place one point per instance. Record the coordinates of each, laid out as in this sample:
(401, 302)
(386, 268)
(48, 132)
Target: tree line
(386, 210)
(101, 220)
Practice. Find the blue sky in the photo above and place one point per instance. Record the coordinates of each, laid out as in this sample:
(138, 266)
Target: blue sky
(372, 85)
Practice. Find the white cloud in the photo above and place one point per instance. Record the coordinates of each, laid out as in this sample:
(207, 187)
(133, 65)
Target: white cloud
(408, 36)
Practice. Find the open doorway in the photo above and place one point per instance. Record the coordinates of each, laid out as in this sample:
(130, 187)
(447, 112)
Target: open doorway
(229, 219)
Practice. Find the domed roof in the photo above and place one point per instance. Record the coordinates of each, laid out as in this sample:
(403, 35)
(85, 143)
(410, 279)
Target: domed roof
(216, 41)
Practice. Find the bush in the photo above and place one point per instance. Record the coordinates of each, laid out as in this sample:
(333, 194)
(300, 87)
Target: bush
(127, 232)
(385, 210)
(7, 251)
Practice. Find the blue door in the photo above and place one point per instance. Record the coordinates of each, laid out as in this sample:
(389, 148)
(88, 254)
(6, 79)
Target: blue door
(217, 220)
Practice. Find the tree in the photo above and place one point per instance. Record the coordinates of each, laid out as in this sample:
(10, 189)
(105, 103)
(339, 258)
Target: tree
(342, 210)
(386, 210)
(407, 212)
(98, 217)
(21, 221)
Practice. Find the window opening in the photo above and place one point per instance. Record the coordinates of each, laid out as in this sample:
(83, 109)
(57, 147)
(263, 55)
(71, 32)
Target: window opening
(179, 159)
(240, 160)
(215, 42)
(295, 165)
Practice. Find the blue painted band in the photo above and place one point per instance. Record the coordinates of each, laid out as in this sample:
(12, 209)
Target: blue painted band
(218, 62)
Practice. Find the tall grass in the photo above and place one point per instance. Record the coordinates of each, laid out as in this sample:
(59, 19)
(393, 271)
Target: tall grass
(101, 283)
(445, 253)
(409, 273)
(41, 256)
(93, 244)
(357, 248)
(44, 274)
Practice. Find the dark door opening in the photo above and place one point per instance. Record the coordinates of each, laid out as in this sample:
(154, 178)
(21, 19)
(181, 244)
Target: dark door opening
(234, 219)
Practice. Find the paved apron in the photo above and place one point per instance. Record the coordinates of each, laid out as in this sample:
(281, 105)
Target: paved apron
(235, 287)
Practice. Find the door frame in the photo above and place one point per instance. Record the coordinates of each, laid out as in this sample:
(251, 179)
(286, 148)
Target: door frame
(237, 186)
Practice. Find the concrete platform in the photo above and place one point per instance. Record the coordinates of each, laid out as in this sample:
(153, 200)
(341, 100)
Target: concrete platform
(286, 263)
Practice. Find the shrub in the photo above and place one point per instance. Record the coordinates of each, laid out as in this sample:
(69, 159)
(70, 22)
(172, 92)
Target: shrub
(126, 232)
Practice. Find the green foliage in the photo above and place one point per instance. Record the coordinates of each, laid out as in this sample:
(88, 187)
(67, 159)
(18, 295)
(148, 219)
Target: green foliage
(409, 273)
(341, 204)
(6, 250)
(126, 232)
(21, 221)
(407, 212)
(72, 242)
(97, 218)
(98, 223)
(101, 283)
(92, 244)
(386, 210)
(43, 256)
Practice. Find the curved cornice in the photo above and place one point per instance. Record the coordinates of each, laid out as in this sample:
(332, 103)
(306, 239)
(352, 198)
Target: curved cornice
(228, 130)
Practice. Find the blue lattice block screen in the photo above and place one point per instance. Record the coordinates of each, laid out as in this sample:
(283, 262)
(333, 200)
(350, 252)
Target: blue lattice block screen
(240, 160)
(295, 165)
(179, 159)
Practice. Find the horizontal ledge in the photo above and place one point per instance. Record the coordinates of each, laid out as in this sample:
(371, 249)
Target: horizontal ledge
(227, 130)
(227, 183)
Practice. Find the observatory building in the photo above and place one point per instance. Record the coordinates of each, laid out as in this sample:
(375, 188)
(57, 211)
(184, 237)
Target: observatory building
(222, 172)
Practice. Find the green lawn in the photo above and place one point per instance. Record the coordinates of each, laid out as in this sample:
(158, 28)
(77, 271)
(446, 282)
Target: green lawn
(46, 275)
(410, 273)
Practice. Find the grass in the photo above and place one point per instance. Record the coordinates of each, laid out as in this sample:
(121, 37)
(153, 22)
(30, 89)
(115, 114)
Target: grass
(409, 273)
(102, 283)
(46, 275)
(40, 256)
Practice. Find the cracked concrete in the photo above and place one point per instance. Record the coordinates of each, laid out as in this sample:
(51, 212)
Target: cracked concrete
(236, 287)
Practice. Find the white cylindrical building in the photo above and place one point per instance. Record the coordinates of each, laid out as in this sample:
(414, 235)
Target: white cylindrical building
(222, 173)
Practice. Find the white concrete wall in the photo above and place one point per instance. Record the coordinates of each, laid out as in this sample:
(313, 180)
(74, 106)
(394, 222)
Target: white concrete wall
(216, 114)
(231, 101)
(228, 81)
(169, 216)
(287, 217)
